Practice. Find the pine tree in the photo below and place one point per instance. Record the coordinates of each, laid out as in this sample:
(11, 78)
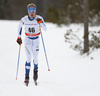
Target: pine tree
(86, 32)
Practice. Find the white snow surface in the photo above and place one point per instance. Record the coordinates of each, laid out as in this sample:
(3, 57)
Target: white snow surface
(70, 73)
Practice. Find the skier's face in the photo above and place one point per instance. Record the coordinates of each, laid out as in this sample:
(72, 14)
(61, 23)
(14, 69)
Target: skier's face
(31, 15)
(31, 11)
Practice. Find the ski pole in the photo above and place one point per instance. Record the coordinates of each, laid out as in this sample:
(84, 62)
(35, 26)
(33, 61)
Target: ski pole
(18, 62)
(45, 52)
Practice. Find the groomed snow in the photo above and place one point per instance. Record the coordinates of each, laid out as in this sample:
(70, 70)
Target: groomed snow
(71, 74)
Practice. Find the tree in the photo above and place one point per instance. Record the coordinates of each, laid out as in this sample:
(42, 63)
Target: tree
(86, 32)
(5, 9)
(42, 6)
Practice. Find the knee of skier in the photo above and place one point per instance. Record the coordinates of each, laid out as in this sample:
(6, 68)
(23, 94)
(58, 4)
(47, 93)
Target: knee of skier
(27, 65)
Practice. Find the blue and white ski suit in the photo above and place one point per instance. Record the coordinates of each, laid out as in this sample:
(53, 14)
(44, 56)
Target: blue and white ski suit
(32, 32)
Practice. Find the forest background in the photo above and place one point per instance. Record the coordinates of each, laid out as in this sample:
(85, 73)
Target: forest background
(56, 11)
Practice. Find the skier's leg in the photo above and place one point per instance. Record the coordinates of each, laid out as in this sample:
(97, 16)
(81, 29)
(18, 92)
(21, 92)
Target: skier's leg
(27, 68)
(35, 50)
(28, 58)
(35, 56)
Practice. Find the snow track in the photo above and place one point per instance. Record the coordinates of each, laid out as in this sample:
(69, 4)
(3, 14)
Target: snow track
(70, 74)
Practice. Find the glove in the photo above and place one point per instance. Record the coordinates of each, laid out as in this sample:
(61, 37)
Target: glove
(39, 20)
(19, 40)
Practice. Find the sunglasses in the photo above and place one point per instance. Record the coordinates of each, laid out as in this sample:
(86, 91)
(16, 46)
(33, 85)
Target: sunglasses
(31, 9)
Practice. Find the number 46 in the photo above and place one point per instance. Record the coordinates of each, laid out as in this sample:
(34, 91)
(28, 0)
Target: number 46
(31, 30)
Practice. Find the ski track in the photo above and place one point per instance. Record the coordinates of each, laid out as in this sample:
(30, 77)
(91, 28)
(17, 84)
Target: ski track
(70, 75)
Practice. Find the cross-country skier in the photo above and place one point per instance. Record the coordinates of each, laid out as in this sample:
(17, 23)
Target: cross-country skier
(33, 24)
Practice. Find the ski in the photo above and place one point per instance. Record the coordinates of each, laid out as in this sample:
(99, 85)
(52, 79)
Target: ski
(35, 83)
(26, 80)
(27, 84)
(35, 76)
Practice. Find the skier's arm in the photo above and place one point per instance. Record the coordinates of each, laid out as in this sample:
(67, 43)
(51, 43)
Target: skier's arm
(43, 26)
(41, 22)
(19, 40)
(20, 28)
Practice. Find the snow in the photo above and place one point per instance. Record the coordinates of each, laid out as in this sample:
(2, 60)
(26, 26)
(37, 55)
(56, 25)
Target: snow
(70, 73)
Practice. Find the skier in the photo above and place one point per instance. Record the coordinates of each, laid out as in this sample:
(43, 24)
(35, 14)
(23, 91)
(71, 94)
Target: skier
(33, 24)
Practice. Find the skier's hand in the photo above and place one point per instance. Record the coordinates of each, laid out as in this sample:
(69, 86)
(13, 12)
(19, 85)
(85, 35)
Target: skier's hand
(19, 40)
(39, 20)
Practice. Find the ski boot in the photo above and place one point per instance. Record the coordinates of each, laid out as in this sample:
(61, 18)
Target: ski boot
(26, 80)
(35, 76)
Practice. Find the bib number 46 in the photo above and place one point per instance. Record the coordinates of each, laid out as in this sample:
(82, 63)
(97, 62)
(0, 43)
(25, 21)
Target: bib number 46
(31, 30)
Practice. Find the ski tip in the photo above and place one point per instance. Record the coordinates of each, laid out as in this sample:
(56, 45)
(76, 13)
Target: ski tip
(35, 83)
(48, 69)
(16, 78)
(26, 84)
